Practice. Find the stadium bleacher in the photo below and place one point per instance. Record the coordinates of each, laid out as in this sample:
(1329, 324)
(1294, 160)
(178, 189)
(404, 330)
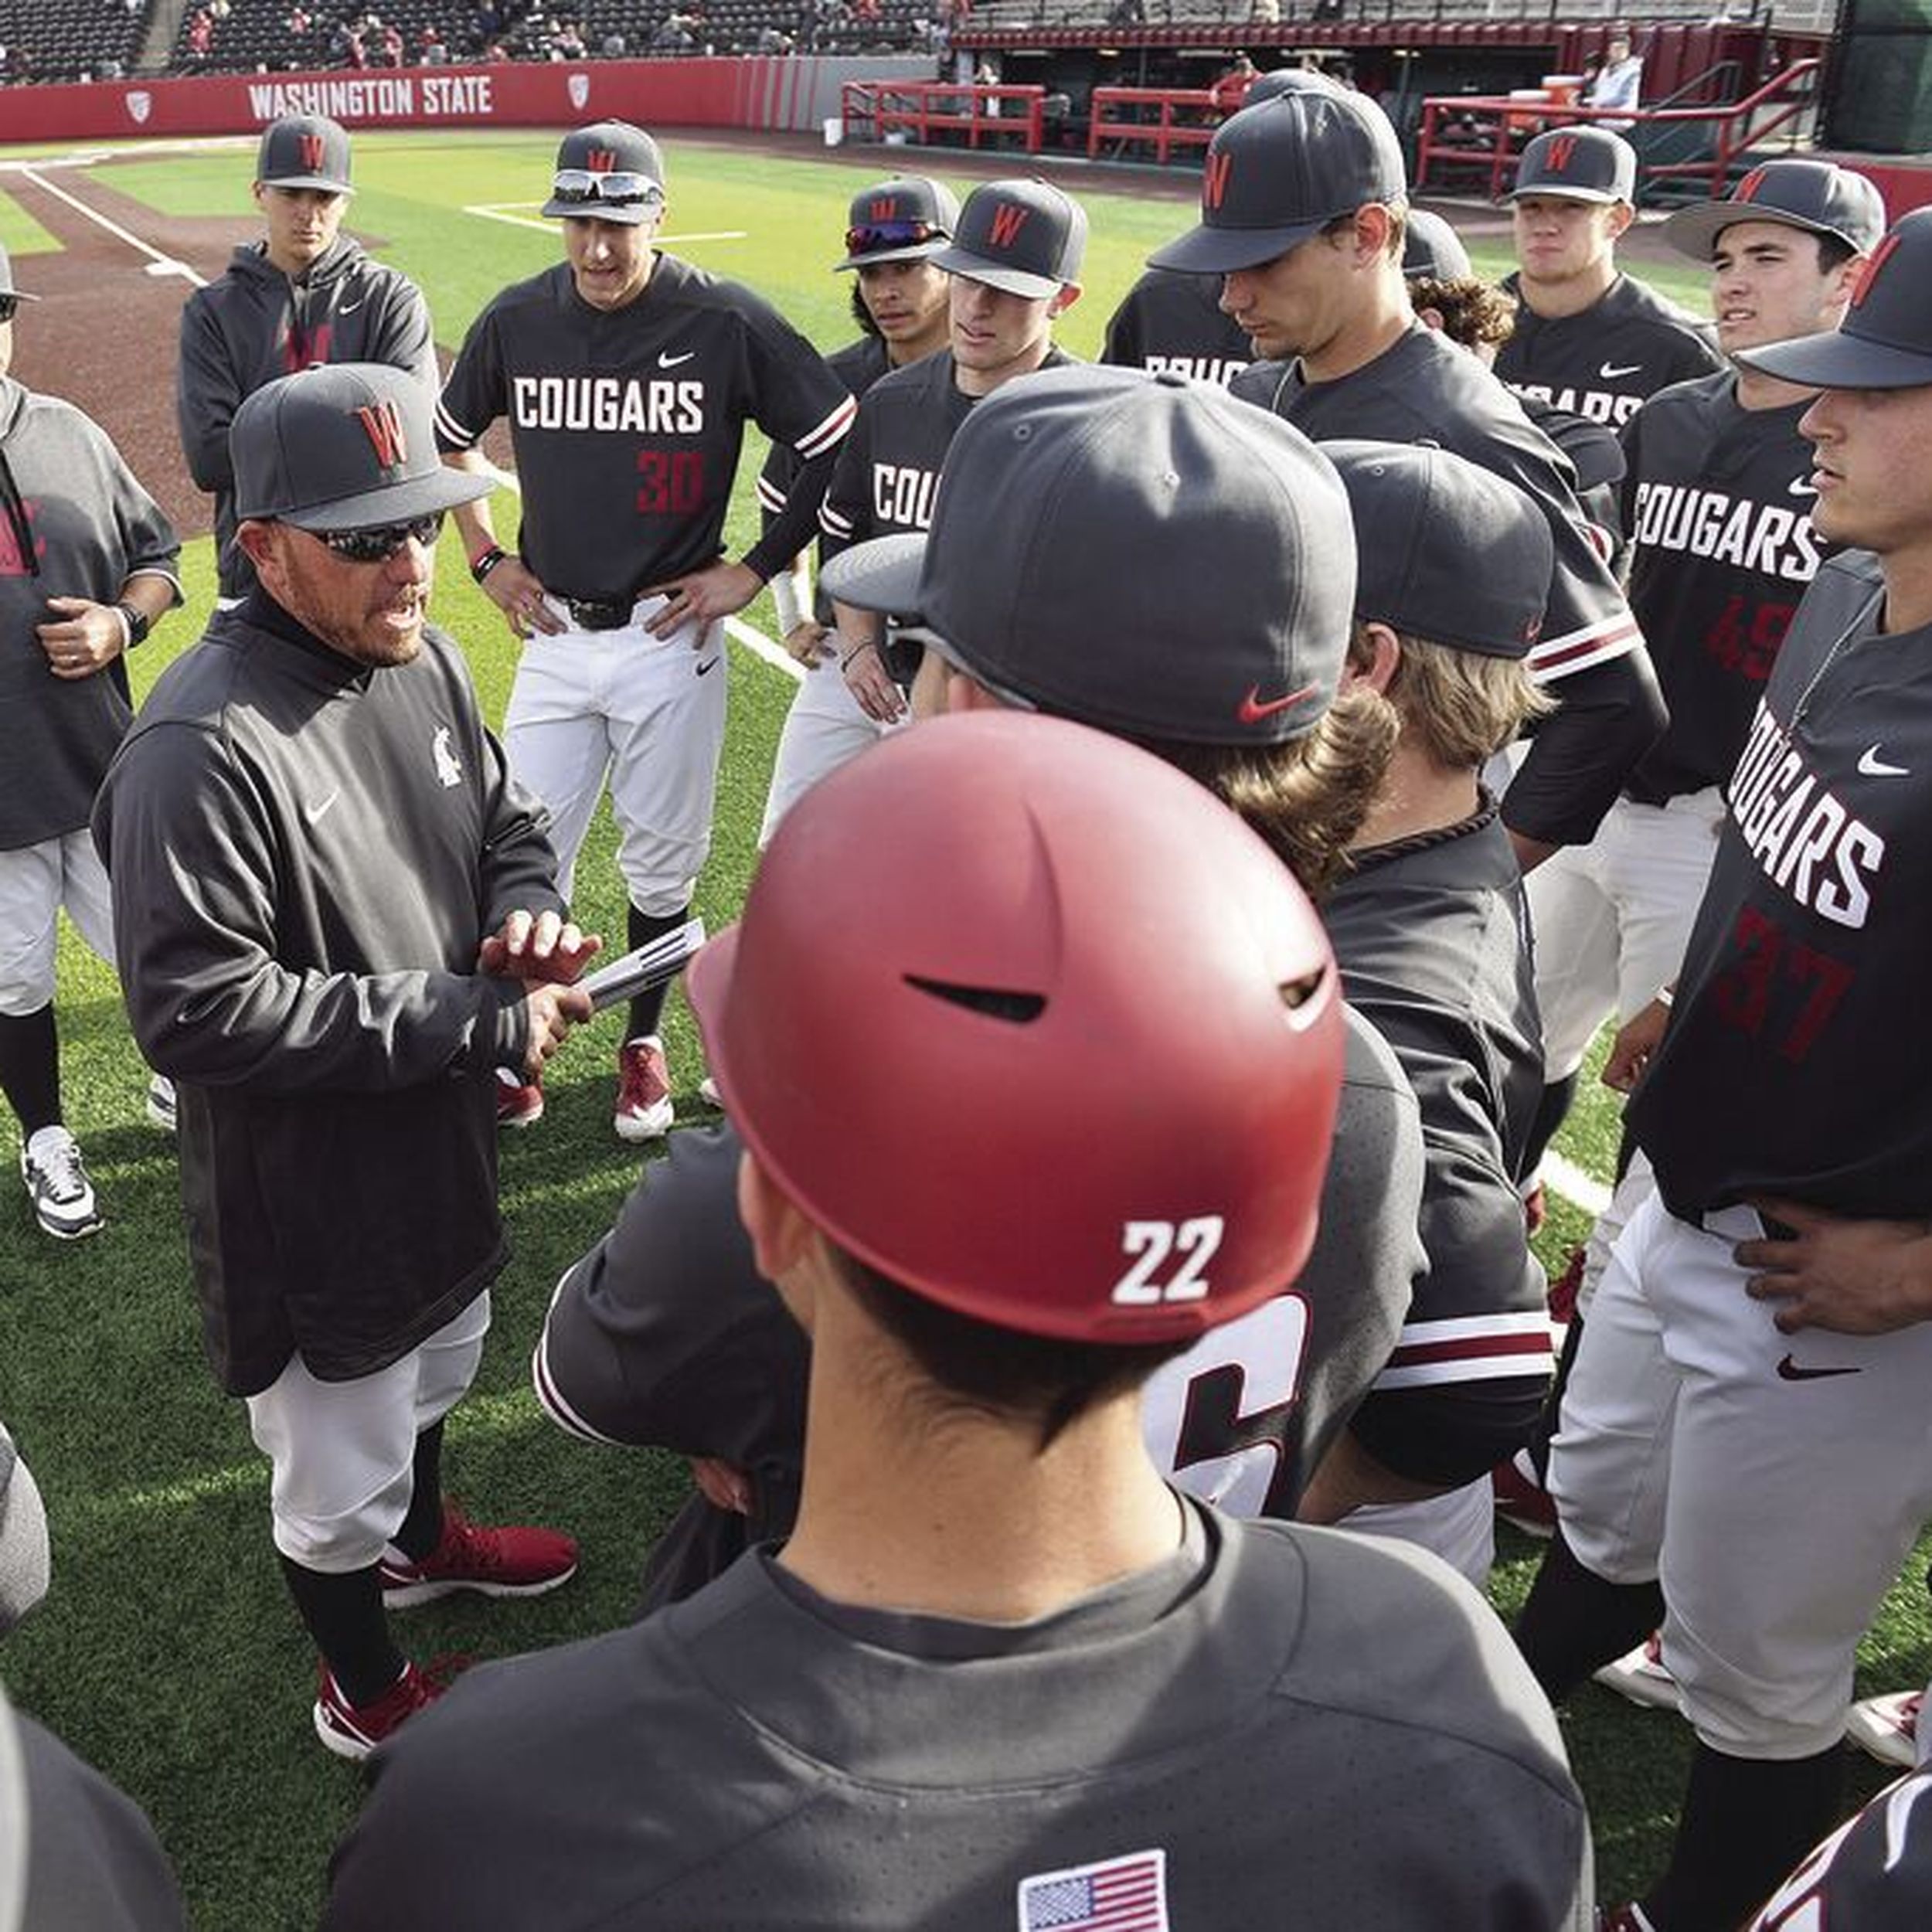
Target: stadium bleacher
(68, 39)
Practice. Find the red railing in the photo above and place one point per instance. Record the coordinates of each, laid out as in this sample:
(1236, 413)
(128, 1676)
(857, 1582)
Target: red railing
(872, 110)
(1181, 118)
(1484, 132)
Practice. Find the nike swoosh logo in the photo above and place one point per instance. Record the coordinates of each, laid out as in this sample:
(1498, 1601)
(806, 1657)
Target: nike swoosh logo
(1872, 766)
(1253, 708)
(672, 362)
(1789, 1371)
(349, 308)
(315, 814)
(706, 664)
(1802, 486)
(1611, 371)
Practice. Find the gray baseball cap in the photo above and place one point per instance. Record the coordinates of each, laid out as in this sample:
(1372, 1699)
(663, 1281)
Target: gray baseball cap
(1288, 80)
(610, 171)
(908, 219)
(1817, 196)
(1577, 164)
(1449, 553)
(1141, 553)
(1433, 251)
(343, 446)
(1884, 340)
(1023, 237)
(305, 151)
(1278, 173)
(6, 281)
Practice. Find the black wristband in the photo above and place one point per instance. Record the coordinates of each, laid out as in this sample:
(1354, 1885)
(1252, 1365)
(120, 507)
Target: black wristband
(139, 623)
(482, 566)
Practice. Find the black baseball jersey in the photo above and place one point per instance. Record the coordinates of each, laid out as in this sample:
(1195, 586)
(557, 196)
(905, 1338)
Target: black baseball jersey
(1275, 1726)
(73, 522)
(306, 855)
(665, 1334)
(1424, 388)
(1873, 1874)
(887, 475)
(1603, 362)
(256, 324)
(1718, 502)
(1798, 1056)
(858, 365)
(1431, 935)
(628, 423)
(1174, 324)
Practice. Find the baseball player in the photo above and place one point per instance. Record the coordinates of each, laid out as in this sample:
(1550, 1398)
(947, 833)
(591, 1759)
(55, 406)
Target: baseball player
(664, 1334)
(1430, 931)
(1002, 1673)
(1589, 338)
(334, 1025)
(627, 377)
(1016, 267)
(1717, 496)
(1764, 1486)
(87, 563)
(1173, 323)
(899, 301)
(1303, 205)
(306, 293)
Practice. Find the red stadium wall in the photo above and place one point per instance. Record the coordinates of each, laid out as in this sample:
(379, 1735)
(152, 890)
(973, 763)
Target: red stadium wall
(753, 92)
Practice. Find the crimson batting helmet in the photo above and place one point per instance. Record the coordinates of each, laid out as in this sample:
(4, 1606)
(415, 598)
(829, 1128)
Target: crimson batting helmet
(938, 1024)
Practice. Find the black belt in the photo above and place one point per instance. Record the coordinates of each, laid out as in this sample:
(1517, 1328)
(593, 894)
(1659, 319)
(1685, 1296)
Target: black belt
(593, 613)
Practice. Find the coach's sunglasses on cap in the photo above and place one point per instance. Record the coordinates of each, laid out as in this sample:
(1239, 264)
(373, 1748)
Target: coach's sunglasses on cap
(891, 234)
(615, 190)
(380, 542)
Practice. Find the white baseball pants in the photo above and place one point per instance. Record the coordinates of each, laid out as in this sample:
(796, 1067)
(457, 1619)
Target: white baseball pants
(35, 882)
(823, 728)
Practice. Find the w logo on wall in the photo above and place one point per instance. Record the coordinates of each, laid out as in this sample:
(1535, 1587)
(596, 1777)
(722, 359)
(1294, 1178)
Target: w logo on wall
(310, 148)
(383, 423)
(578, 87)
(140, 104)
(1007, 221)
(1214, 180)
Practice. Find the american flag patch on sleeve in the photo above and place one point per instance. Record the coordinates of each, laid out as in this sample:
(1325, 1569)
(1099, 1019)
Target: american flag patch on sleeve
(1120, 1895)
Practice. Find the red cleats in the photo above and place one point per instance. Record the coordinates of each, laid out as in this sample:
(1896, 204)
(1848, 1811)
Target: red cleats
(354, 1730)
(507, 1562)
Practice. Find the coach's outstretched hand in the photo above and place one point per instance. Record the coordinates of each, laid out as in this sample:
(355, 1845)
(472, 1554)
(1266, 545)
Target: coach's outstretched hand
(539, 947)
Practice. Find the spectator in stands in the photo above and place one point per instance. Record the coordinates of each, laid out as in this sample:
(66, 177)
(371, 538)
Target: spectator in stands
(200, 33)
(298, 22)
(615, 46)
(1619, 81)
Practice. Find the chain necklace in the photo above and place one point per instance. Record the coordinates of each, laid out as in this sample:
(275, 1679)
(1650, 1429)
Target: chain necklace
(1866, 611)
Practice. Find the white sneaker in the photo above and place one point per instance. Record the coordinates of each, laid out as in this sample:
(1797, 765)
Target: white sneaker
(161, 1102)
(643, 1111)
(1887, 1728)
(55, 1178)
(1641, 1676)
(707, 1092)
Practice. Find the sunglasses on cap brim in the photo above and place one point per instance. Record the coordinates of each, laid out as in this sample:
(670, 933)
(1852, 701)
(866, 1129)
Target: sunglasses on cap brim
(870, 239)
(618, 189)
(379, 541)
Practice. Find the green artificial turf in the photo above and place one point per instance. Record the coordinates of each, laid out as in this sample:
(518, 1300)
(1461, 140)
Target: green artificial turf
(167, 1653)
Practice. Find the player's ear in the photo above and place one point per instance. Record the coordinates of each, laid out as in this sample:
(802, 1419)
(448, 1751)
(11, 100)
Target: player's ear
(1621, 215)
(1431, 319)
(1375, 654)
(781, 1232)
(1070, 293)
(259, 542)
(1844, 282)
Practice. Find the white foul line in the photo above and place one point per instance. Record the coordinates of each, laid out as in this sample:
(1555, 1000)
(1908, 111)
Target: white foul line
(1574, 1185)
(162, 264)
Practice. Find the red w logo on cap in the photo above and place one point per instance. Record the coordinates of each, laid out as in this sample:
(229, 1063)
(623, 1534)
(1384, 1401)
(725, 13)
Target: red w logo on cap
(1007, 221)
(310, 148)
(1214, 179)
(1874, 262)
(1747, 189)
(884, 210)
(1560, 151)
(383, 422)
(601, 160)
